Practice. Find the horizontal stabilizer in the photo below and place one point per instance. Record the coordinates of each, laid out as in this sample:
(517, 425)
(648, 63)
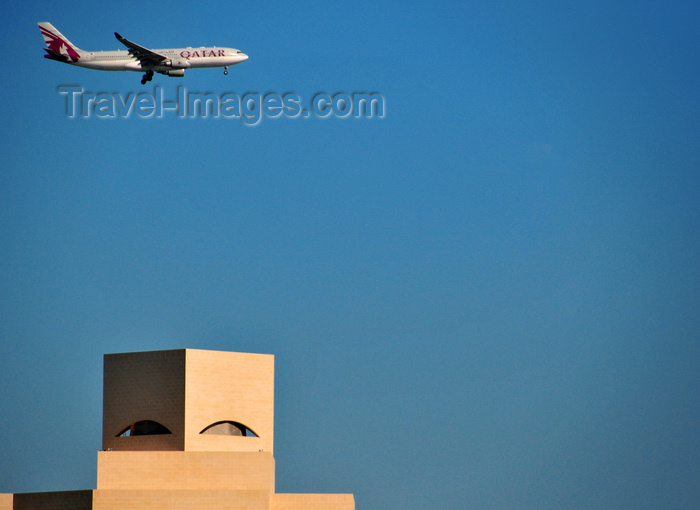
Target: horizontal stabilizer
(54, 55)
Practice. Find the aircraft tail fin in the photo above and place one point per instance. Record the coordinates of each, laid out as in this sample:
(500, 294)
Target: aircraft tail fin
(58, 47)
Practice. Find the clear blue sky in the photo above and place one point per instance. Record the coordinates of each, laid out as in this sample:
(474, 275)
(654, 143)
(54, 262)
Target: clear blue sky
(489, 299)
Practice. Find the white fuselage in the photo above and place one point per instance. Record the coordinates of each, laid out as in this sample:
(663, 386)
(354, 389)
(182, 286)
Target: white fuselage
(177, 58)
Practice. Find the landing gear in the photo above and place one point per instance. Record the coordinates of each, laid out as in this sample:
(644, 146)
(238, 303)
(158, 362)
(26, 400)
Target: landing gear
(147, 77)
(225, 69)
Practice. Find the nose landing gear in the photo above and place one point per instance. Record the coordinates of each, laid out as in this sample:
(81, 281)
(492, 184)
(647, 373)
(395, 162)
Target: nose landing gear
(225, 69)
(147, 77)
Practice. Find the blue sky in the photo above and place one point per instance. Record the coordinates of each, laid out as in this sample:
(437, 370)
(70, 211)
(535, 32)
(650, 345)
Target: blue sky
(487, 299)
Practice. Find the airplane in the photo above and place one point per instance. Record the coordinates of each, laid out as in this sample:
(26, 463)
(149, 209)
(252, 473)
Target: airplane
(170, 61)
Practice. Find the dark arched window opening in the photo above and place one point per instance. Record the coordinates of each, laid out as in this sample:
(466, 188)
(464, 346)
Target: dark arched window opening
(144, 428)
(229, 428)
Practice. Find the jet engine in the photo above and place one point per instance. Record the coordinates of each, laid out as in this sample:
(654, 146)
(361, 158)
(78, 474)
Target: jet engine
(176, 73)
(177, 63)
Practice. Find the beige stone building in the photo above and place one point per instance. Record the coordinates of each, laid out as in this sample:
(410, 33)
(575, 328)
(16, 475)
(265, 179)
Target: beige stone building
(185, 430)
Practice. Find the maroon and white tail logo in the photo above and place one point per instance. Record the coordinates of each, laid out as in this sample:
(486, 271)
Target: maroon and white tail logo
(57, 44)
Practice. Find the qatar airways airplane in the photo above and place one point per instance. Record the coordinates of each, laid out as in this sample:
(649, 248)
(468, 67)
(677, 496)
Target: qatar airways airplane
(171, 61)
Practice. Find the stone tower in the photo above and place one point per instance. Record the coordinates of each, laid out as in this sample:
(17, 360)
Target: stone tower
(188, 430)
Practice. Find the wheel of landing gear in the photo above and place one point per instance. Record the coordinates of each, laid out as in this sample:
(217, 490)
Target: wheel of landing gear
(143, 81)
(225, 72)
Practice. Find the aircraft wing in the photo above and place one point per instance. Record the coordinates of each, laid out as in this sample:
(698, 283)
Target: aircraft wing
(143, 55)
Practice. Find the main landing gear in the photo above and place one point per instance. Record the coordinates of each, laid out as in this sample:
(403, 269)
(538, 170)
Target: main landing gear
(225, 69)
(147, 77)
